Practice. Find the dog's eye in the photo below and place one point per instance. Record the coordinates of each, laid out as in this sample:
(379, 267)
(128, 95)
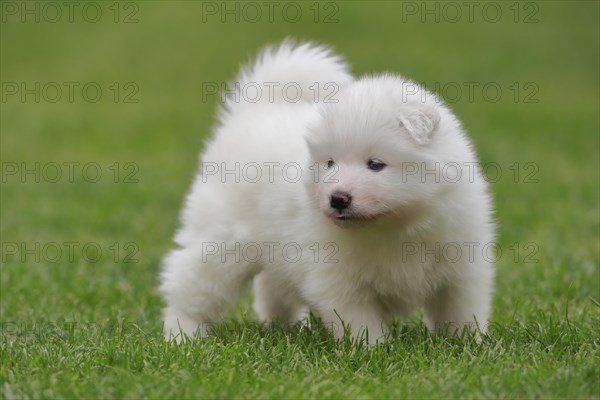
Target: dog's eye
(330, 163)
(376, 165)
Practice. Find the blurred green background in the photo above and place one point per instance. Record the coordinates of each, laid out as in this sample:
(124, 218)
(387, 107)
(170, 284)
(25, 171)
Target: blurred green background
(151, 59)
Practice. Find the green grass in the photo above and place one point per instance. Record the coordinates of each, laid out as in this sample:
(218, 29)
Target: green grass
(77, 328)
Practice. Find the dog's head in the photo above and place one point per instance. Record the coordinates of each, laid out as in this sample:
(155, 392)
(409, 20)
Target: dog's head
(371, 150)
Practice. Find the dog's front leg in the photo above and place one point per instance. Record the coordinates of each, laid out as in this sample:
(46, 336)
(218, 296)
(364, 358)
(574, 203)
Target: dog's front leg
(364, 321)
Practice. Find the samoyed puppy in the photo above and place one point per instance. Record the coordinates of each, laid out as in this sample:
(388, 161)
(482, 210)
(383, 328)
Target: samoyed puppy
(357, 199)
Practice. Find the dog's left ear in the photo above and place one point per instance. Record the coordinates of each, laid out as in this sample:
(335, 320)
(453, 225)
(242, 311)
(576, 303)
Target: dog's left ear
(419, 121)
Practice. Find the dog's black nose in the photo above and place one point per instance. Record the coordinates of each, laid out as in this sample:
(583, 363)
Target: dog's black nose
(340, 200)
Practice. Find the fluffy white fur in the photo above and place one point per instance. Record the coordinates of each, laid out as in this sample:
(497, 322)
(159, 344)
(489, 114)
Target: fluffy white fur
(385, 255)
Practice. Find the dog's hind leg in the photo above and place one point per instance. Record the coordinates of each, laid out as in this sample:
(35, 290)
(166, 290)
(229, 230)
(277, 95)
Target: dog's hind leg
(199, 282)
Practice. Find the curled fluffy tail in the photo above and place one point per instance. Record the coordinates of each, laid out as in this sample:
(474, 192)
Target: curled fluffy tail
(289, 73)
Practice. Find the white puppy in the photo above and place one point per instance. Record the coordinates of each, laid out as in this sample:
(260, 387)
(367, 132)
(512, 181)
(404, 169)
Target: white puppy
(358, 199)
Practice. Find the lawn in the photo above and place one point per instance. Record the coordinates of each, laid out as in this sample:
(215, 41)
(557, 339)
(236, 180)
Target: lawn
(103, 115)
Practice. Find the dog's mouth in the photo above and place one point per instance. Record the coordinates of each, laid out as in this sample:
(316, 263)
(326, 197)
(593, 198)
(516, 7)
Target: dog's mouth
(346, 219)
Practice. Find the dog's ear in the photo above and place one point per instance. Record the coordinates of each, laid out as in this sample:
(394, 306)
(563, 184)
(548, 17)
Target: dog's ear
(419, 121)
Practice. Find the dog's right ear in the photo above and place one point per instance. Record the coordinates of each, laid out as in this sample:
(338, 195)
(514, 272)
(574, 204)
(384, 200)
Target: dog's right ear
(419, 121)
